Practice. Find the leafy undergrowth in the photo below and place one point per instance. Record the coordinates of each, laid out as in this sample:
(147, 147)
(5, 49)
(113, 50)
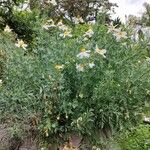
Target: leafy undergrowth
(138, 138)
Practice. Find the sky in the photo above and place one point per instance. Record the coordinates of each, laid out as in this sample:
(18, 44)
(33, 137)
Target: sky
(127, 7)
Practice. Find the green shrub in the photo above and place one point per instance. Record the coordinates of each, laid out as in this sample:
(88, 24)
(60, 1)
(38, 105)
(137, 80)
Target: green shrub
(136, 139)
(55, 90)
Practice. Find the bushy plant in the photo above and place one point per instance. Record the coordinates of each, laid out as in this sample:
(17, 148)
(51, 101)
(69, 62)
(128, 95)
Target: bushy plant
(136, 139)
(87, 79)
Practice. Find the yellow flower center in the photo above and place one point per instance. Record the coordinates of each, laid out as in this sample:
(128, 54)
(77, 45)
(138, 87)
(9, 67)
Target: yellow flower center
(82, 49)
(58, 67)
(66, 33)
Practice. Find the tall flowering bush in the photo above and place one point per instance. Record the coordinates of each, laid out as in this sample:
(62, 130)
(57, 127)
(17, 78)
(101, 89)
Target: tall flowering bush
(89, 79)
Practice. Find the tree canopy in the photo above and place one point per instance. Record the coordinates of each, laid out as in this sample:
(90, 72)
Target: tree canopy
(146, 15)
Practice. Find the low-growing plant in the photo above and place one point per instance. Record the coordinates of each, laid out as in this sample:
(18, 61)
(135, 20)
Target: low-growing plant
(136, 139)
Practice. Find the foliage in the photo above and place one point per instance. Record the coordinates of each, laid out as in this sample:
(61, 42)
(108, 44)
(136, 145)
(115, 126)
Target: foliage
(70, 9)
(117, 22)
(133, 20)
(20, 21)
(144, 20)
(136, 139)
(146, 15)
(83, 8)
(83, 80)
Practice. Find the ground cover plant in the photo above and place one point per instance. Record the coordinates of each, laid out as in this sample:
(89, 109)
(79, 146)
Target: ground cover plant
(137, 138)
(90, 80)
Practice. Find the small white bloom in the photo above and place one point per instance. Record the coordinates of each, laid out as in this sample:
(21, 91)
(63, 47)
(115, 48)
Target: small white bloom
(85, 39)
(49, 24)
(50, 21)
(80, 67)
(120, 34)
(59, 67)
(61, 26)
(100, 51)
(91, 65)
(60, 23)
(66, 34)
(111, 29)
(81, 20)
(66, 116)
(21, 44)
(28, 10)
(83, 54)
(147, 119)
(7, 29)
(46, 26)
(52, 25)
(81, 95)
(148, 59)
(91, 22)
(79, 119)
(78, 20)
(89, 33)
(53, 2)
(1, 81)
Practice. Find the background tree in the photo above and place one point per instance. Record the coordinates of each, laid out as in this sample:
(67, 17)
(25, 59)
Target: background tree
(146, 15)
(68, 9)
(133, 20)
(117, 22)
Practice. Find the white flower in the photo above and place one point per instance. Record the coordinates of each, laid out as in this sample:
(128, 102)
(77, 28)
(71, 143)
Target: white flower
(148, 59)
(53, 2)
(28, 10)
(100, 51)
(50, 21)
(49, 24)
(46, 26)
(80, 67)
(89, 33)
(81, 95)
(91, 65)
(92, 22)
(83, 54)
(81, 20)
(1, 81)
(120, 34)
(59, 67)
(63, 28)
(78, 20)
(21, 44)
(111, 29)
(117, 32)
(147, 119)
(79, 119)
(7, 29)
(85, 39)
(66, 34)
(60, 23)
